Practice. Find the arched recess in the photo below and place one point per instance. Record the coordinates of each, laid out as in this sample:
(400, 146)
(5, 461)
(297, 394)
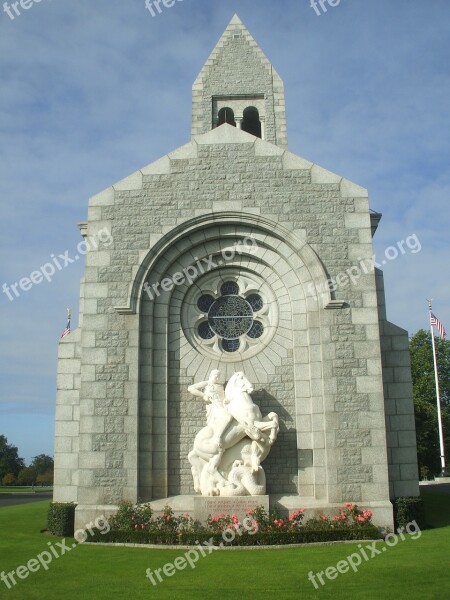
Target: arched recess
(251, 123)
(164, 249)
(169, 362)
(226, 115)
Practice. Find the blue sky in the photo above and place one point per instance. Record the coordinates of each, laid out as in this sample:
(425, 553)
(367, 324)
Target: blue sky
(92, 91)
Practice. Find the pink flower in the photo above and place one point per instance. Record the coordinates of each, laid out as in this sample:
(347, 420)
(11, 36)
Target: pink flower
(142, 526)
(348, 505)
(250, 512)
(323, 517)
(336, 519)
(135, 526)
(296, 514)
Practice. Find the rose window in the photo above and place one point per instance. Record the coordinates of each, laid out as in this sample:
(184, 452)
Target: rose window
(230, 316)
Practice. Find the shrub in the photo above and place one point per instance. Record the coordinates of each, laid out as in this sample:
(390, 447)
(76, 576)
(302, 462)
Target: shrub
(139, 518)
(131, 516)
(61, 518)
(263, 538)
(134, 524)
(408, 509)
(349, 516)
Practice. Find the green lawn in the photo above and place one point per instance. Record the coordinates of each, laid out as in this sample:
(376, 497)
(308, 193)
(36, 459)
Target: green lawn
(5, 489)
(412, 569)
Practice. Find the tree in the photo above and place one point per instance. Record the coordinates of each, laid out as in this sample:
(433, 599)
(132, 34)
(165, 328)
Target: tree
(45, 478)
(42, 464)
(424, 393)
(10, 462)
(27, 476)
(9, 479)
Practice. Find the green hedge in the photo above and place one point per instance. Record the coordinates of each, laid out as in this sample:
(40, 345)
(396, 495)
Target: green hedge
(61, 518)
(262, 538)
(408, 509)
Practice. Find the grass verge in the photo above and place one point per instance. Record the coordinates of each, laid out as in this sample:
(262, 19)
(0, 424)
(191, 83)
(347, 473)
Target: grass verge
(410, 569)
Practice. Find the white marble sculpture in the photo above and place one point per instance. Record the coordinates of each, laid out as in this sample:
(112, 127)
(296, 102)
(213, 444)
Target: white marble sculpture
(227, 454)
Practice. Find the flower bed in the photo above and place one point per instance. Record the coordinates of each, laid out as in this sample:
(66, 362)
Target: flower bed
(136, 524)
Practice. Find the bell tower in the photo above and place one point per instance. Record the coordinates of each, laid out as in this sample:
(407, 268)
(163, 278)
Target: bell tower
(239, 86)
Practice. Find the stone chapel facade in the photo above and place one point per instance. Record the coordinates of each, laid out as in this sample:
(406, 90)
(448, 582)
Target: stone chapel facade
(234, 212)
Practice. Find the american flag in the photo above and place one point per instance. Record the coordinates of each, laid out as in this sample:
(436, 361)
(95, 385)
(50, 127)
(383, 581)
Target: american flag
(67, 329)
(436, 323)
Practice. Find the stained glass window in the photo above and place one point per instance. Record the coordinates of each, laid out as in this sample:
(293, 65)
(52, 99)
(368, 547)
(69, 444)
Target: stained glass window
(205, 302)
(205, 331)
(231, 345)
(256, 330)
(255, 301)
(229, 288)
(230, 316)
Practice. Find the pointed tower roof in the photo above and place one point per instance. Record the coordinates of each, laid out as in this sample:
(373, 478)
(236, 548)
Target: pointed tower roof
(238, 69)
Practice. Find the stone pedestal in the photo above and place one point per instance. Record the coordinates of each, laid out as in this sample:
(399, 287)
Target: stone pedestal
(235, 505)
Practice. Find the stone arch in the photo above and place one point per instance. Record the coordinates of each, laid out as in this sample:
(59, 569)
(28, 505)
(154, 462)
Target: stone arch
(316, 273)
(168, 363)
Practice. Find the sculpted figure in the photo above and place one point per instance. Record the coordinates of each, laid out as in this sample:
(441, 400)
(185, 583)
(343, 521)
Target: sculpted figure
(227, 453)
(217, 416)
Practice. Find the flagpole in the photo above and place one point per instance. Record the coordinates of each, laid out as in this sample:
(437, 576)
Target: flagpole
(438, 397)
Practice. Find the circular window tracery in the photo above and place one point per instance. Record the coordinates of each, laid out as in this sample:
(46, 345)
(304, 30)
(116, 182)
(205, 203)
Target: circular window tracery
(229, 288)
(229, 315)
(205, 331)
(205, 302)
(256, 330)
(255, 301)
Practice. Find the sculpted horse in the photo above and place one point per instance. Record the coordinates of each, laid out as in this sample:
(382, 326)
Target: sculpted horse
(223, 448)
